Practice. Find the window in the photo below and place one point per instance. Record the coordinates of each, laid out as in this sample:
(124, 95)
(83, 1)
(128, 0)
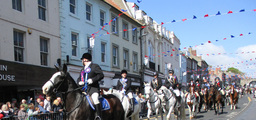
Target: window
(88, 12)
(125, 30)
(135, 61)
(103, 52)
(17, 5)
(42, 9)
(18, 38)
(150, 51)
(72, 6)
(134, 35)
(89, 45)
(44, 51)
(126, 59)
(102, 18)
(115, 56)
(74, 38)
(114, 25)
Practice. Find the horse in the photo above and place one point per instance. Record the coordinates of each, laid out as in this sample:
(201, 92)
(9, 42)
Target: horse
(216, 98)
(192, 99)
(205, 98)
(126, 104)
(233, 97)
(76, 104)
(169, 103)
(227, 97)
(153, 101)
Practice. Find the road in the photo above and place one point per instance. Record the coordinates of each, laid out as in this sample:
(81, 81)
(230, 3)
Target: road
(245, 111)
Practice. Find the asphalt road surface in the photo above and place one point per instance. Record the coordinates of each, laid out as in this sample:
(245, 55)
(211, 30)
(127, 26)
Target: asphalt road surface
(246, 108)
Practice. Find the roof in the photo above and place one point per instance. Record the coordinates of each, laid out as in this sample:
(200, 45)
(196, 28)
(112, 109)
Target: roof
(118, 5)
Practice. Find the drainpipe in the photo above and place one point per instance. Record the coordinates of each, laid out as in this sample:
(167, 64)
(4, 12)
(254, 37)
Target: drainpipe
(143, 67)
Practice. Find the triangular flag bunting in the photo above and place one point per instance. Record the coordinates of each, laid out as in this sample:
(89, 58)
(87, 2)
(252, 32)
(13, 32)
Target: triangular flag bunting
(173, 21)
(230, 12)
(184, 19)
(194, 17)
(242, 10)
(206, 15)
(218, 13)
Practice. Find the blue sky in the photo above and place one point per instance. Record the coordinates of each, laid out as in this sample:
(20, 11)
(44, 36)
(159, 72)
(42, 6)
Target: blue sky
(203, 29)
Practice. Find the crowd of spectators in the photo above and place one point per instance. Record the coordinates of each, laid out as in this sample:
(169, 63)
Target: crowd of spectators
(25, 110)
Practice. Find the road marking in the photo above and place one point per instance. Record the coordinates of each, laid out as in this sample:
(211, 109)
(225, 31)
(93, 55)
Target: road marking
(249, 99)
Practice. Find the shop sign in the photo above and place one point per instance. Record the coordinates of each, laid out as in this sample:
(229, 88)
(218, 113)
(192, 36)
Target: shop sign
(4, 76)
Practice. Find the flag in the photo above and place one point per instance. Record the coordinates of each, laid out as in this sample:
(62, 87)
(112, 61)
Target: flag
(171, 54)
(120, 14)
(241, 34)
(162, 23)
(134, 29)
(209, 41)
(184, 19)
(242, 10)
(232, 36)
(123, 10)
(173, 50)
(224, 38)
(173, 21)
(125, 30)
(218, 13)
(107, 32)
(106, 24)
(139, 1)
(133, 6)
(230, 12)
(217, 40)
(254, 10)
(194, 17)
(206, 15)
(143, 26)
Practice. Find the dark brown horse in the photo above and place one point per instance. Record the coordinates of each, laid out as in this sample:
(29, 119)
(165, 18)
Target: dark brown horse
(233, 97)
(205, 98)
(76, 104)
(216, 99)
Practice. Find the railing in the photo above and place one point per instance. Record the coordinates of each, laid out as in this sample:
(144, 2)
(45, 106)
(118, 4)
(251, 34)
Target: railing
(45, 116)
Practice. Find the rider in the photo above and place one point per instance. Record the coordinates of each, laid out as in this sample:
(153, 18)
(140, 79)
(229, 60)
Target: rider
(156, 83)
(197, 85)
(90, 76)
(191, 83)
(218, 83)
(171, 82)
(124, 85)
(234, 84)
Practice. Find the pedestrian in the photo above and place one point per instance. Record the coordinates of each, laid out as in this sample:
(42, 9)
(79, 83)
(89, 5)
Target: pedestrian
(124, 86)
(24, 102)
(5, 111)
(31, 111)
(90, 76)
(47, 104)
(22, 115)
(38, 100)
(56, 107)
(41, 108)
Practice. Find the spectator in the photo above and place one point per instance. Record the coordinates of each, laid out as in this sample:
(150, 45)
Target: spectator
(31, 111)
(5, 111)
(15, 104)
(56, 106)
(47, 103)
(24, 102)
(22, 113)
(60, 102)
(10, 106)
(41, 108)
(38, 100)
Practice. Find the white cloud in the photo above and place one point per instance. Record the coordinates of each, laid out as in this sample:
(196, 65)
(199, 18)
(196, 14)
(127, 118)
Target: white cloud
(208, 49)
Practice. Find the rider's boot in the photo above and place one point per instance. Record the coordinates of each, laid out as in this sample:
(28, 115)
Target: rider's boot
(98, 112)
(132, 104)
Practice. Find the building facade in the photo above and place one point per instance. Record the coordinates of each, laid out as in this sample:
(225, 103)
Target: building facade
(29, 48)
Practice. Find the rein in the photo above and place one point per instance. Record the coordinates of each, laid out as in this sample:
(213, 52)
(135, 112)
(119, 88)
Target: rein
(55, 90)
(150, 95)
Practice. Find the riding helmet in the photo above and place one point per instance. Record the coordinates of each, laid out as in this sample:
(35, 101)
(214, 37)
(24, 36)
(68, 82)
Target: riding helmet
(171, 71)
(155, 74)
(123, 71)
(87, 56)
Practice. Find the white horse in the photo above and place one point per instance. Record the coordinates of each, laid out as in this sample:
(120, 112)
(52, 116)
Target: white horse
(169, 100)
(192, 102)
(153, 101)
(126, 104)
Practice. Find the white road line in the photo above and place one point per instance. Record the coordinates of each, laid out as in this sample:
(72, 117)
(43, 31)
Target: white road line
(249, 99)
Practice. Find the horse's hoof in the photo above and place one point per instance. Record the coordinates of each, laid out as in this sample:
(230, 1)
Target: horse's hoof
(191, 117)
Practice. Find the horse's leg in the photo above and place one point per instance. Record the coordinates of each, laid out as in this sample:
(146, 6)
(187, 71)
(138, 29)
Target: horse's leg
(149, 112)
(168, 116)
(190, 111)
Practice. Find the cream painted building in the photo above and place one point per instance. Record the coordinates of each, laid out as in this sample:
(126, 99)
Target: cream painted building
(29, 44)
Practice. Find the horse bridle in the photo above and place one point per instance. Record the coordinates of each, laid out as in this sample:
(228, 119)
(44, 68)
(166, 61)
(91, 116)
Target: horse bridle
(152, 95)
(55, 90)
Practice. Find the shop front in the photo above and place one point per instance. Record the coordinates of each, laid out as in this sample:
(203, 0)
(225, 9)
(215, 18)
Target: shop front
(22, 81)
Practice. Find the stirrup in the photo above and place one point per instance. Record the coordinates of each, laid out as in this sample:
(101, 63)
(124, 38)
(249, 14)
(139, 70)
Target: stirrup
(97, 118)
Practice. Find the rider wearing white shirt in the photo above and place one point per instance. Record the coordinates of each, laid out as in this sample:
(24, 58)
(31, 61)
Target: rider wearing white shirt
(124, 85)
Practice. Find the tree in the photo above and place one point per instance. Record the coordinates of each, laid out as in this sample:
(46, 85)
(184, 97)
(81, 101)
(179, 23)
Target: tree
(234, 70)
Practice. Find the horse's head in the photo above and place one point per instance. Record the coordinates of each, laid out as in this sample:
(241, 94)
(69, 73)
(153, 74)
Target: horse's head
(148, 90)
(58, 82)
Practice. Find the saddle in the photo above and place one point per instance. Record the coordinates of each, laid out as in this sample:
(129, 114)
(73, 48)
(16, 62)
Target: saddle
(103, 101)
